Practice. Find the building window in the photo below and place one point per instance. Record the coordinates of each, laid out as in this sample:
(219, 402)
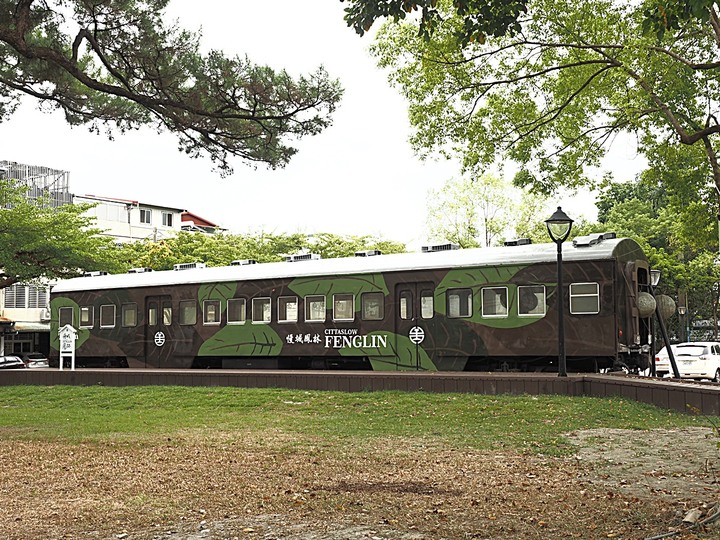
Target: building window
(211, 312)
(459, 303)
(373, 306)
(236, 310)
(128, 314)
(16, 296)
(188, 312)
(315, 308)
(37, 297)
(86, 316)
(19, 296)
(343, 307)
(261, 310)
(107, 316)
(167, 219)
(584, 298)
(145, 216)
(531, 301)
(494, 302)
(287, 309)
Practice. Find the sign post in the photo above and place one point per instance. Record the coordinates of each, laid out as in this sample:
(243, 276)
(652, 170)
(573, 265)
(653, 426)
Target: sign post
(68, 336)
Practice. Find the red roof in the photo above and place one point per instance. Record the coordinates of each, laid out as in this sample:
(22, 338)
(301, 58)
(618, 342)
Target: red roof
(197, 220)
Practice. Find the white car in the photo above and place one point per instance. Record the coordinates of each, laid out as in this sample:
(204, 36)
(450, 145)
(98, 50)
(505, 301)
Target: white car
(695, 360)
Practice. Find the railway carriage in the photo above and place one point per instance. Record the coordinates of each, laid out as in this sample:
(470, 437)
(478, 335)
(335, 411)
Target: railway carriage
(441, 309)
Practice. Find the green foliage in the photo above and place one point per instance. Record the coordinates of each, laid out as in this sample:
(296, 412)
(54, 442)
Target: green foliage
(123, 67)
(671, 15)
(482, 210)
(40, 242)
(480, 17)
(221, 250)
(551, 97)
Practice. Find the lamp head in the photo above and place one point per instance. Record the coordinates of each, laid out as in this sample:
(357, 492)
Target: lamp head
(558, 226)
(654, 277)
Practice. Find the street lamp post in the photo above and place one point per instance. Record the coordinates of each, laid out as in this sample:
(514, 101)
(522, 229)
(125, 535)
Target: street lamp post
(682, 310)
(558, 227)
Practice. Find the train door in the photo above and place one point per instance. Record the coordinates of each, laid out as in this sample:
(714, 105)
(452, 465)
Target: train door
(414, 325)
(159, 336)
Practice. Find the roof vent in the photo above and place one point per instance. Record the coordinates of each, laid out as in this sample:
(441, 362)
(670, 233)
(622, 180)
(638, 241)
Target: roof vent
(368, 253)
(243, 262)
(302, 257)
(189, 266)
(139, 270)
(94, 274)
(440, 247)
(518, 242)
(592, 239)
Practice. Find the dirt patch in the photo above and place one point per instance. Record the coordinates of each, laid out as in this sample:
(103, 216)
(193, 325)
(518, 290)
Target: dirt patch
(620, 484)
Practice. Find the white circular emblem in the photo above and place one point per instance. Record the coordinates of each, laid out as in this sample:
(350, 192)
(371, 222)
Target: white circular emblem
(417, 335)
(159, 339)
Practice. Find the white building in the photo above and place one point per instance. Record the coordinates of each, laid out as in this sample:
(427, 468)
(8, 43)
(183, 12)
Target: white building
(24, 309)
(128, 221)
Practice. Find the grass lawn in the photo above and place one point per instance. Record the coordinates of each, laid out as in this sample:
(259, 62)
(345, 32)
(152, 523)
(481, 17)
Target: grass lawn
(161, 463)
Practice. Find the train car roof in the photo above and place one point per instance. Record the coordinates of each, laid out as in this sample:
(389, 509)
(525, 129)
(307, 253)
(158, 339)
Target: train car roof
(584, 248)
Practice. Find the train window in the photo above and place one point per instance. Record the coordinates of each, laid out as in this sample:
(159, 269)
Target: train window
(152, 314)
(494, 302)
(287, 309)
(531, 300)
(236, 310)
(427, 304)
(343, 307)
(211, 312)
(107, 316)
(188, 312)
(584, 298)
(459, 303)
(373, 306)
(166, 314)
(86, 316)
(65, 316)
(261, 310)
(128, 314)
(315, 308)
(406, 309)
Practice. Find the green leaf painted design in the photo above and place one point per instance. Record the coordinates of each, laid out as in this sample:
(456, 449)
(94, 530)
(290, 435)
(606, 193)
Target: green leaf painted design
(243, 340)
(328, 286)
(55, 305)
(476, 279)
(217, 291)
(398, 354)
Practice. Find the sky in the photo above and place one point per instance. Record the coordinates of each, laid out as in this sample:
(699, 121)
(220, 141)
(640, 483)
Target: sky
(358, 177)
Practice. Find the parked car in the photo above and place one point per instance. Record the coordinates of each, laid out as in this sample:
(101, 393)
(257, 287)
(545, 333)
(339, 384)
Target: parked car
(35, 360)
(694, 359)
(11, 362)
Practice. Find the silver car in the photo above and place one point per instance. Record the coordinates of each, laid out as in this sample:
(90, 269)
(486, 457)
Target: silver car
(694, 359)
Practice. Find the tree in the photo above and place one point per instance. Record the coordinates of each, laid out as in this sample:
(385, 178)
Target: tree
(473, 211)
(124, 68)
(221, 250)
(480, 17)
(41, 242)
(552, 96)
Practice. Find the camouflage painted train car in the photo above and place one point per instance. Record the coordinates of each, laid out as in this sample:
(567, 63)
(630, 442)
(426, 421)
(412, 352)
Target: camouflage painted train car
(474, 309)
